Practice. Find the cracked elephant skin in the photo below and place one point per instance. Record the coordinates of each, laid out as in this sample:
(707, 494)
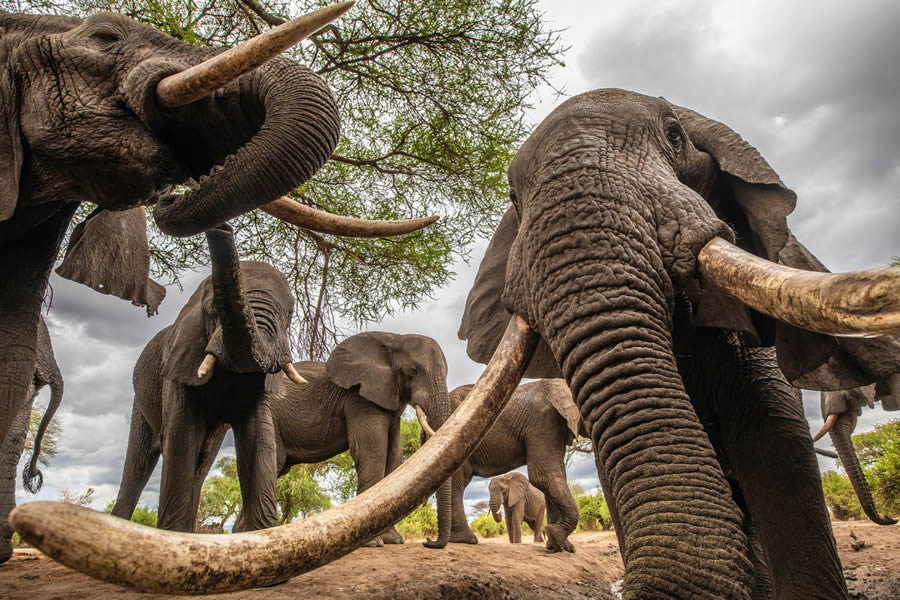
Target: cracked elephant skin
(46, 373)
(521, 501)
(241, 316)
(680, 386)
(354, 401)
(539, 421)
(79, 123)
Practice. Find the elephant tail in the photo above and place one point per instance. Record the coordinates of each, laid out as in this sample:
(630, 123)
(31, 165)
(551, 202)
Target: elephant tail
(32, 478)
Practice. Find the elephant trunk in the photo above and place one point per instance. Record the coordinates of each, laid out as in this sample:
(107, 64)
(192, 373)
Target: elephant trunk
(495, 506)
(300, 130)
(612, 339)
(841, 438)
(245, 345)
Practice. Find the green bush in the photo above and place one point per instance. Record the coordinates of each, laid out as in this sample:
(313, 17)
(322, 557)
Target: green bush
(840, 497)
(485, 526)
(420, 523)
(884, 478)
(593, 513)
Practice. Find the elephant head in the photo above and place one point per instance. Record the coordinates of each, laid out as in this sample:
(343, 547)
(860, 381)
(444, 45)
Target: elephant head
(110, 111)
(238, 319)
(392, 371)
(508, 490)
(841, 410)
(615, 241)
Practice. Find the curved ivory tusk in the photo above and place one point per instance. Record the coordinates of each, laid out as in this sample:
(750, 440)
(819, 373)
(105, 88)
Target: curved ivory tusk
(153, 560)
(423, 421)
(202, 80)
(829, 423)
(293, 375)
(206, 366)
(307, 217)
(858, 303)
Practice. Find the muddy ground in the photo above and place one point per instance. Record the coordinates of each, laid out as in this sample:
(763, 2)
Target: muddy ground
(492, 569)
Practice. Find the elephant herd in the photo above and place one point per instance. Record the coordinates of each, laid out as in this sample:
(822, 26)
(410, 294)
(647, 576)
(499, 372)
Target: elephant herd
(644, 273)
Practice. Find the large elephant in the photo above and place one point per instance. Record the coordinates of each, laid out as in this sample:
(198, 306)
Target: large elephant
(355, 401)
(610, 254)
(522, 502)
(539, 421)
(615, 214)
(113, 112)
(46, 373)
(202, 373)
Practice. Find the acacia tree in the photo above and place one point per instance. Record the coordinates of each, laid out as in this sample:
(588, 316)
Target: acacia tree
(432, 97)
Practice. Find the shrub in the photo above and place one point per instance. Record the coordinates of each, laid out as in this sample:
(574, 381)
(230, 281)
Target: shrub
(420, 523)
(485, 526)
(593, 512)
(840, 497)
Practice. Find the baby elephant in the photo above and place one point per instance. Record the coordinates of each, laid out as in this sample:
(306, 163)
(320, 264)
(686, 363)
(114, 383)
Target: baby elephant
(521, 502)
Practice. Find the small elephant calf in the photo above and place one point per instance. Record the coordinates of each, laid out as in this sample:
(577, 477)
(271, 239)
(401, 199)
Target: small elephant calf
(521, 502)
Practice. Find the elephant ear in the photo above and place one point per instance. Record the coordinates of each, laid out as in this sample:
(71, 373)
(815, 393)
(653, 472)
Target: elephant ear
(186, 342)
(10, 144)
(108, 252)
(365, 360)
(485, 318)
(518, 488)
(559, 395)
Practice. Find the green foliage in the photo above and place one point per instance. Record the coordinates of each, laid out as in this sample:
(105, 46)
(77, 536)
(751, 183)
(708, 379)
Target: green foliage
(879, 454)
(338, 475)
(576, 489)
(410, 432)
(420, 523)
(485, 526)
(896, 261)
(840, 497)
(143, 515)
(299, 495)
(220, 497)
(593, 513)
(50, 441)
(433, 97)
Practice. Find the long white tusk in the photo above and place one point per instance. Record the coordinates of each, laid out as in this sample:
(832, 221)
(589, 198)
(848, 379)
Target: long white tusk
(308, 217)
(206, 366)
(423, 421)
(293, 375)
(153, 560)
(202, 80)
(858, 303)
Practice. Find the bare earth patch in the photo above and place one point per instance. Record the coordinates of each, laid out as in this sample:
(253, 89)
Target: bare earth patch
(491, 569)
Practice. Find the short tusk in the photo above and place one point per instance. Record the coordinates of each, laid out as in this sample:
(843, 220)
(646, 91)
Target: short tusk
(423, 421)
(829, 423)
(858, 303)
(206, 366)
(154, 560)
(307, 217)
(293, 375)
(202, 80)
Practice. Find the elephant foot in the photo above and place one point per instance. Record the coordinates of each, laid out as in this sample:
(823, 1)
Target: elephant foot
(391, 536)
(463, 537)
(557, 541)
(438, 543)
(6, 550)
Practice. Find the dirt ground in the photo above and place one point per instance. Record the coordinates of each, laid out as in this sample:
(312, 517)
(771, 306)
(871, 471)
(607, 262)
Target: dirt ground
(492, 569)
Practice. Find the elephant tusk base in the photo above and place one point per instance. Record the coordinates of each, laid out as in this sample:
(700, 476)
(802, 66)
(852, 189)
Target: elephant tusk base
(206, 366)
(423, 421)
(293, 375)
(829, 423)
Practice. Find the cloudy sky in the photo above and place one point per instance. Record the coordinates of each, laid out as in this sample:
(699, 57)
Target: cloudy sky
(815, 90)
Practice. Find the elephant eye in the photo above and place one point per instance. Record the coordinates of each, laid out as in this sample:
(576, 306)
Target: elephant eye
(105, 34)
(675, 135)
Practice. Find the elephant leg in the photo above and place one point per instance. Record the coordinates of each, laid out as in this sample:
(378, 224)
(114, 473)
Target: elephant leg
(368, 441)
(766, 439)
(510, 524)
(547, 472)
(205, 460)
(10, 453)
(140, 460)
(185, 432)
(517, 516)
(538, 526)
(254, 441)
(460, 532)
(394, 458)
